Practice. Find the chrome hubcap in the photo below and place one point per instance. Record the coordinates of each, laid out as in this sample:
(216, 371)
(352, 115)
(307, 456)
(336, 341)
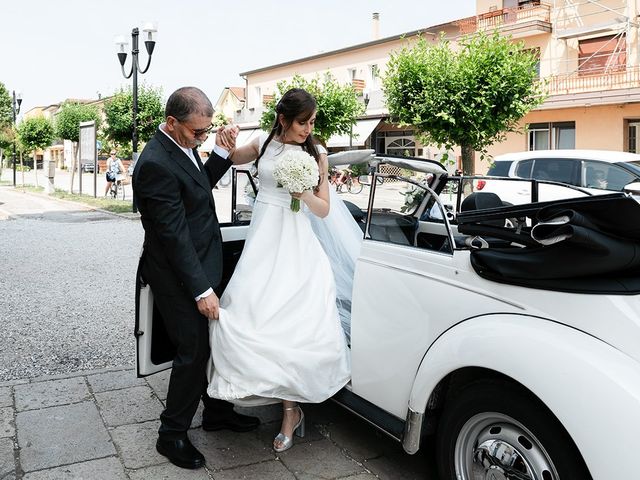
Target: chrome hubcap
(494, 446)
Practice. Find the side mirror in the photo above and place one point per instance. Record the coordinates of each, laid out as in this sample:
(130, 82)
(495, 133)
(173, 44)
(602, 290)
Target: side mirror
(632, 188)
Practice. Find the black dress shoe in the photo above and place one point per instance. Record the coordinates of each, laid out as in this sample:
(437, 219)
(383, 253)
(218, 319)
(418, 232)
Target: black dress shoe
(232, 421)
(181, 453)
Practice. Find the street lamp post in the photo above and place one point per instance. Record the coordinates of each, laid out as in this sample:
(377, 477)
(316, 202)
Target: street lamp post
(15, 107)
(365, 100)
(149, 32)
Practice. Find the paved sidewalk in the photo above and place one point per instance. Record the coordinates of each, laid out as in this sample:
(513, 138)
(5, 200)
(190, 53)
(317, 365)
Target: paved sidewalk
(103, 426)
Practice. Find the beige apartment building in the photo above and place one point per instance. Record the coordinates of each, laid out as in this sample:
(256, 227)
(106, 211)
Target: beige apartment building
(589, 64)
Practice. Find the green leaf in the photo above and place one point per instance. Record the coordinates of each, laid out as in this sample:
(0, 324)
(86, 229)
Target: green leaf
(468, 97)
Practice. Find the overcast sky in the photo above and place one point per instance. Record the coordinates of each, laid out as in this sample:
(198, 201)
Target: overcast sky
(54, 50)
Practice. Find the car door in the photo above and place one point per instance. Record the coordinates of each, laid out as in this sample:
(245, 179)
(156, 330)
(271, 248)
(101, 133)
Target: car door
(154, 350)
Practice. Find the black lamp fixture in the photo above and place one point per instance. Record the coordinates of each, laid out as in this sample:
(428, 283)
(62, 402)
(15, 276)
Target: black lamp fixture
(149, 32)
(365, 100)
(15, 108)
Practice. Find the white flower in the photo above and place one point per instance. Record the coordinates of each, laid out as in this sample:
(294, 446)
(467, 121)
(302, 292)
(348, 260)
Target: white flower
(296, 171)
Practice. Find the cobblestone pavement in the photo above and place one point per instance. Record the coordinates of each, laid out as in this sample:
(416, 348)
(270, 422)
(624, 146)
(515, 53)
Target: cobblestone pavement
(102, 425)
(71, 407)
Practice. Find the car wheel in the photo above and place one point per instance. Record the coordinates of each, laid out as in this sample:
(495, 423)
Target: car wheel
(496, 430)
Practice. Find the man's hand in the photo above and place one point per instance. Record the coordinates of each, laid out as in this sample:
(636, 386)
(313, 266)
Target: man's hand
(226, 137)
(209, 306)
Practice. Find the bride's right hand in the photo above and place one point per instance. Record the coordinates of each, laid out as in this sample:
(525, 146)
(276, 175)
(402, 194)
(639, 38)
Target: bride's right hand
(209, 306)
(226, 137)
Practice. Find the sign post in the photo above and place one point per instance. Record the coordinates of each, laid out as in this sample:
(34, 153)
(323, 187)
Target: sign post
(88, 152)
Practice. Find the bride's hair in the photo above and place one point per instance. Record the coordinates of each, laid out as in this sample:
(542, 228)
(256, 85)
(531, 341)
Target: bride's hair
(295, 104)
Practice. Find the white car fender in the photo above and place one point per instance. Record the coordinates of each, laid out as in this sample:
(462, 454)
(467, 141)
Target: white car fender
(592, 388)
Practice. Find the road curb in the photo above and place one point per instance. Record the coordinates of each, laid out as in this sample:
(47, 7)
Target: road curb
(127, 216)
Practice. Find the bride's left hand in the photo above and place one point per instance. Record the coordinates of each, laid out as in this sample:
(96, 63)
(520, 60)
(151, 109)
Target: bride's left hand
(304, 196)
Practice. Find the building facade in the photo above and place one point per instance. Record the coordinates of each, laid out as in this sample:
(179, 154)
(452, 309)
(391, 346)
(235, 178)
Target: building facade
(589, 67)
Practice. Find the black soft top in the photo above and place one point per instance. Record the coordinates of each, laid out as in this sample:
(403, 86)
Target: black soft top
(581, 245)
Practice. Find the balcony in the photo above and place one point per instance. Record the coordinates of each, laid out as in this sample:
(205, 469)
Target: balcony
(522, 21)
(577, 82)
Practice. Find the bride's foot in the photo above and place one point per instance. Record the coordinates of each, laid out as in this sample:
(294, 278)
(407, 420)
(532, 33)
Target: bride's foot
(292, 422)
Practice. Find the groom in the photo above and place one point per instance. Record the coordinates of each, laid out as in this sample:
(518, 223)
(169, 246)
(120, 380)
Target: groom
(182, 262)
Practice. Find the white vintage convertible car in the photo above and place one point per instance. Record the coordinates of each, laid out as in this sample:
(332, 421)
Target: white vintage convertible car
(511, 333)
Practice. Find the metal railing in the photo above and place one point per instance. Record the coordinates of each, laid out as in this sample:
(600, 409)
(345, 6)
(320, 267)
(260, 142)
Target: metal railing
(578, 82)
(505, 16)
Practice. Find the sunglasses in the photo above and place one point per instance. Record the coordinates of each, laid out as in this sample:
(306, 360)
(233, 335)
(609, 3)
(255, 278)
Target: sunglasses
(198, 132)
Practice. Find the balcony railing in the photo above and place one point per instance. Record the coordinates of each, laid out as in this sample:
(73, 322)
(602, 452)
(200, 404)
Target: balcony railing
(579, 83)
(505, 16)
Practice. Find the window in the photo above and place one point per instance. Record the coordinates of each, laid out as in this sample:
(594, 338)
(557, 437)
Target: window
(552, 136)
(500, 169)
(557, 170)
(374, 74)
(564, 135)
(351, 72)
(257, 101)
(523, 169)
(539, 137)
(632, 135)
(601, 55)
(402, 146)
(606, 176)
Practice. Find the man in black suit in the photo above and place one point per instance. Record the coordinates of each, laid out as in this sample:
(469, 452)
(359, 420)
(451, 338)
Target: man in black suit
(182, 263)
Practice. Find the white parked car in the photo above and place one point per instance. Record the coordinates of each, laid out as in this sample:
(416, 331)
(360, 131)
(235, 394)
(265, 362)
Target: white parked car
(590, 171)
(517, 347)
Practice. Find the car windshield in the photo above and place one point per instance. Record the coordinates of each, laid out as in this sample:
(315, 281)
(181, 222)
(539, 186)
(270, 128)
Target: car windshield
(500, 169)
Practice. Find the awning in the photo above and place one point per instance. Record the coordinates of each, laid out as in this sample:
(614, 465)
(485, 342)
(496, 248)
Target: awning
(244, 137)
(361, 131)
(600, 28)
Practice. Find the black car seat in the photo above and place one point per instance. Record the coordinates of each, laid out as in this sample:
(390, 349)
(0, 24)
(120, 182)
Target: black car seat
(482, 201)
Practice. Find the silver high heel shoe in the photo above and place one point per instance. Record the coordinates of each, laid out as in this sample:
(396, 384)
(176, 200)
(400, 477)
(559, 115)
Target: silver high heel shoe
(298, 430)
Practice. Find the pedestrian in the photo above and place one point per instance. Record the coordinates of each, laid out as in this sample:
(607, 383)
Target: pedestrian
(115, 168)
(182, 263)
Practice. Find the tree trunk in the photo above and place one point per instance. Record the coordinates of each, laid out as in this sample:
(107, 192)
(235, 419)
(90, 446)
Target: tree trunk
(1, 161)
(22, 169)
(468, 160)
(73, 166)
(35, 167)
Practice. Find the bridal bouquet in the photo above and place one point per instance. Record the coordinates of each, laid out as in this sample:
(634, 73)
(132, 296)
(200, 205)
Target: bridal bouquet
(296, 171)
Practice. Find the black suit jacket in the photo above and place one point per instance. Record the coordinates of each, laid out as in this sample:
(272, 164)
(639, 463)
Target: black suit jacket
(183, 244)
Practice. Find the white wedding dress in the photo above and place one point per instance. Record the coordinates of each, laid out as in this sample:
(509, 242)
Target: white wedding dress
(279, 335)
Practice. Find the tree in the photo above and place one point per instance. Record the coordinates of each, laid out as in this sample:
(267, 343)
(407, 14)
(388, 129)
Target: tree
(6, 107)
(119, 114)
(7, 136)
(35, 134)
(338, 105)
(67, 125)
(6, 121)
(469, 97)
(219, 119)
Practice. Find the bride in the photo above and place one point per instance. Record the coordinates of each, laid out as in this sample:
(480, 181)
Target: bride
(279, 335)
